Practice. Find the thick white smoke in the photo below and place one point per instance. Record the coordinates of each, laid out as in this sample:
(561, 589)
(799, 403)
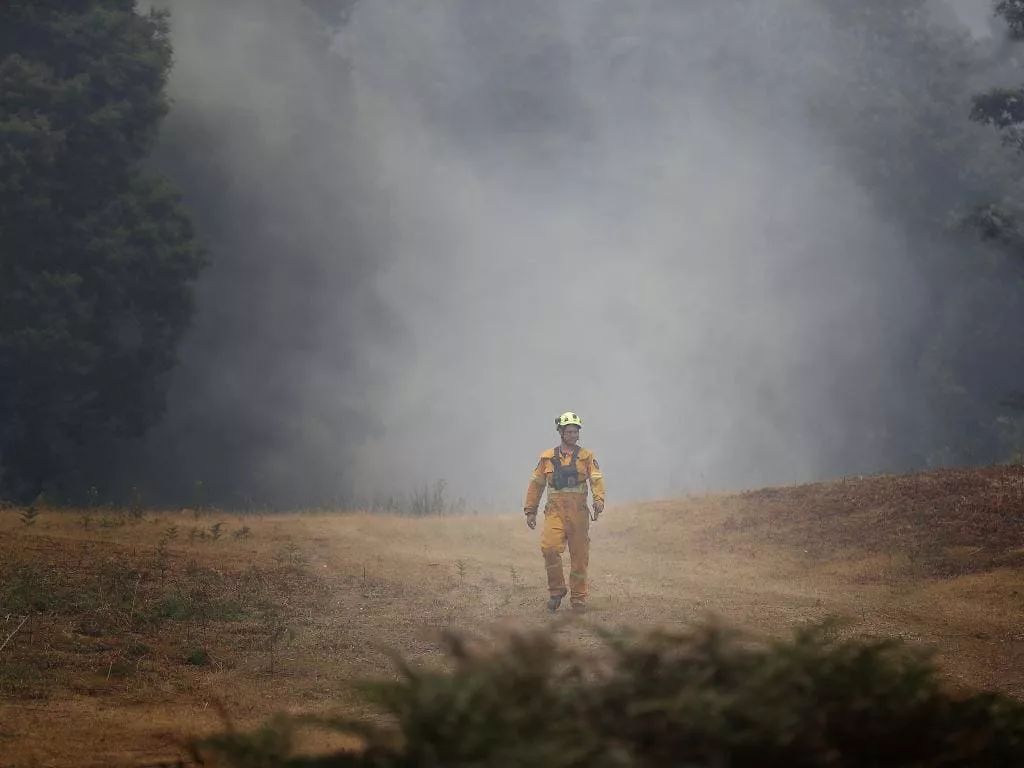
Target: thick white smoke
(690, 271)
(492, 212)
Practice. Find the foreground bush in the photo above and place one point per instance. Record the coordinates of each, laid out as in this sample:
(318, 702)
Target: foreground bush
(708, 697)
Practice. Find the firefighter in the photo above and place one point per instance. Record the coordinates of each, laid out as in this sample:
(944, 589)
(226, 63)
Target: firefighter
(564, 471)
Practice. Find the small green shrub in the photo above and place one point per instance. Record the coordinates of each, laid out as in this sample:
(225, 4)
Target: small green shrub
(22, 680)
(120, 669)
(136, 509)
(174, 606)
(290, 556)
(36, 588)
(111, 522)
(29, 515)
(137, 650)
(195, 605)
(30, 588)
(706, 697)
(197, 657)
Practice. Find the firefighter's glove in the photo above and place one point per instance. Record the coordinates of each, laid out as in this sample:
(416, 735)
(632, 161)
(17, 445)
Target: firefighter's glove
(531, 520)
(598, 509)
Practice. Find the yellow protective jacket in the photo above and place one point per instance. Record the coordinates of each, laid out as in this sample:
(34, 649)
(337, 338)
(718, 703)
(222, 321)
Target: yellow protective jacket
(587, 468)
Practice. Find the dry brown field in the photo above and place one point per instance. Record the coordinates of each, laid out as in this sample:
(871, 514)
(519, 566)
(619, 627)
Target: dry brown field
(145, 630)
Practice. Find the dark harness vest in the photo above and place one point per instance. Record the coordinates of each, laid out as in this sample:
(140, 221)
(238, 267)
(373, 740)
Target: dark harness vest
(565, 475)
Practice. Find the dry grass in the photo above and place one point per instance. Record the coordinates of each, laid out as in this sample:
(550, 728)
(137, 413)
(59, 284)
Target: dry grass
(133, 644)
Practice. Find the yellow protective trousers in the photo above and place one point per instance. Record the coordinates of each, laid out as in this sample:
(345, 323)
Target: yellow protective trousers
(566, 521)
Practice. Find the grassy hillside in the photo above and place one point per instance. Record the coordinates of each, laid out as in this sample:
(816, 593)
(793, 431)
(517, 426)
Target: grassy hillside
(146, 628)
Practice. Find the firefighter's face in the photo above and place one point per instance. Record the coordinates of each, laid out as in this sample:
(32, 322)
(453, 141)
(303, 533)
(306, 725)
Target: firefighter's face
(570, 434)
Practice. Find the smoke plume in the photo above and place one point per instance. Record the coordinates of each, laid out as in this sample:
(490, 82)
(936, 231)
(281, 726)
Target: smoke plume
(436, 225)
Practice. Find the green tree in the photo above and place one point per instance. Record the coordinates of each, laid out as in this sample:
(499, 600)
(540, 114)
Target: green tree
(898, 110)
(97, 258)
(1000, 220)
(1013, 12)
(1003, 108)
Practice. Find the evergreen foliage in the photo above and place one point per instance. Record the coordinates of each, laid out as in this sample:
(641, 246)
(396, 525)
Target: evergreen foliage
(900, 114)
(705, 697)
(97, 258)
(1013, 12)
(1003, 109)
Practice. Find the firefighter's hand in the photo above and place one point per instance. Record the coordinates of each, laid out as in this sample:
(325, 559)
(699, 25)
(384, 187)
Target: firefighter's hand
(531, 520)
(598, 509)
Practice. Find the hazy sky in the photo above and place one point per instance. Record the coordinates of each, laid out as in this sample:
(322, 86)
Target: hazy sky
(441, 226)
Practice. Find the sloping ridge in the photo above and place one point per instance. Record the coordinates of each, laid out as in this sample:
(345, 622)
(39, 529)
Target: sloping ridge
(950, 521)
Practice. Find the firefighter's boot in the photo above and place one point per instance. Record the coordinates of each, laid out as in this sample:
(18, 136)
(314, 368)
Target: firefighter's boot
(554, 601)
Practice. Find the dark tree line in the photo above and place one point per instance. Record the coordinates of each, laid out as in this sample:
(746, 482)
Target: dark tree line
(902, 117)
(97, 258)
(1003, 109)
